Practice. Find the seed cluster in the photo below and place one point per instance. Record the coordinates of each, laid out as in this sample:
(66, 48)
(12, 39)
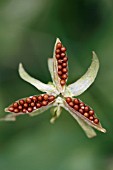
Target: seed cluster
(31, 103)
(82, 108)
(62, 62)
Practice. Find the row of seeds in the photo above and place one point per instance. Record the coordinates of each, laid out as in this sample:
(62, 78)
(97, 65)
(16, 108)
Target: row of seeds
(82, 108)
(62, 63)
(30, 104)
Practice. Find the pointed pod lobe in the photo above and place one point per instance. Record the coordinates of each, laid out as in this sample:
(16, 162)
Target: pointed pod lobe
(83, 111)
(30, 104)
(60, 62)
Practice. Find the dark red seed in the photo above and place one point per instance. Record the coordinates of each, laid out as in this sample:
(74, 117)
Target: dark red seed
(96, 121)
(59, 61)
(16, 110)
(15, 105)
(34, 98)
(62, 82)
(59, 67)
(25, 105)
(57, 51)
(86, 108)
(81, 111)
(82, 104)
(51, 98)
(64, 76)
(64, 70)
(64, 64)
(76, 101)
(63, 49)
(30, 109)
(32, 104)
(68, 99)
(45, 96)
(65, 59)
(21, 102)
(59, 45)
(82, 108)
(86, 114)
(38, 105)
(62, 55)
(59, 73)
(76, 107)
(91, 112)
(91, 117)
(24, 110)
(28, 100)
(58, 56)
(44, 103)
(71, 104)
(11, 108)
(20, 107)
(39, 98)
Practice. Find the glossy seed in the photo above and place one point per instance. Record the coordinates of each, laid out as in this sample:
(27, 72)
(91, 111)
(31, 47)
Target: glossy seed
(59, 73)
(63, 49)
(15, 105)
(32, 104)
(91, 117)
(82, 104)
(59, 45)
(62, 55)
(68, 99)
(44, 103)
(45, 96)
(62, 82)
(96, 121)
(91, 112)
(38, 105)
(76, 101)
(21, 102)
(86, 114)
(64, 64)
(60, 61)
(76, 107)
(58, 56)
(64, 70)
(64, 76)
(11, 108)
(86, 108)
(81, 111)
(65, 59)
(28, 100)
(16, 110)
(51, 98)
(59, 67)
(25, 105)
(20, 107)
(71, 104)
(30, 109)
(24, 110)
(57, 51)
(34, 98)
(39, 98)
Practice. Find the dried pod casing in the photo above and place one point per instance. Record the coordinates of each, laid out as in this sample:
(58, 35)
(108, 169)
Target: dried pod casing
(60, 66)
(89, 117)
(30, 104)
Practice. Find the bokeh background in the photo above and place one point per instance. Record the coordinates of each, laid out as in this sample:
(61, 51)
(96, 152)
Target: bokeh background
(28, 29)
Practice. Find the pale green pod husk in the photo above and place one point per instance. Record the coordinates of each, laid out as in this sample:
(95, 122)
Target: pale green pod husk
(50, 89)
(78, 116)
(78, 87)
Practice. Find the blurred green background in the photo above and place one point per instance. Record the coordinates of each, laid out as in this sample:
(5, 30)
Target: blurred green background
(28, 29)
